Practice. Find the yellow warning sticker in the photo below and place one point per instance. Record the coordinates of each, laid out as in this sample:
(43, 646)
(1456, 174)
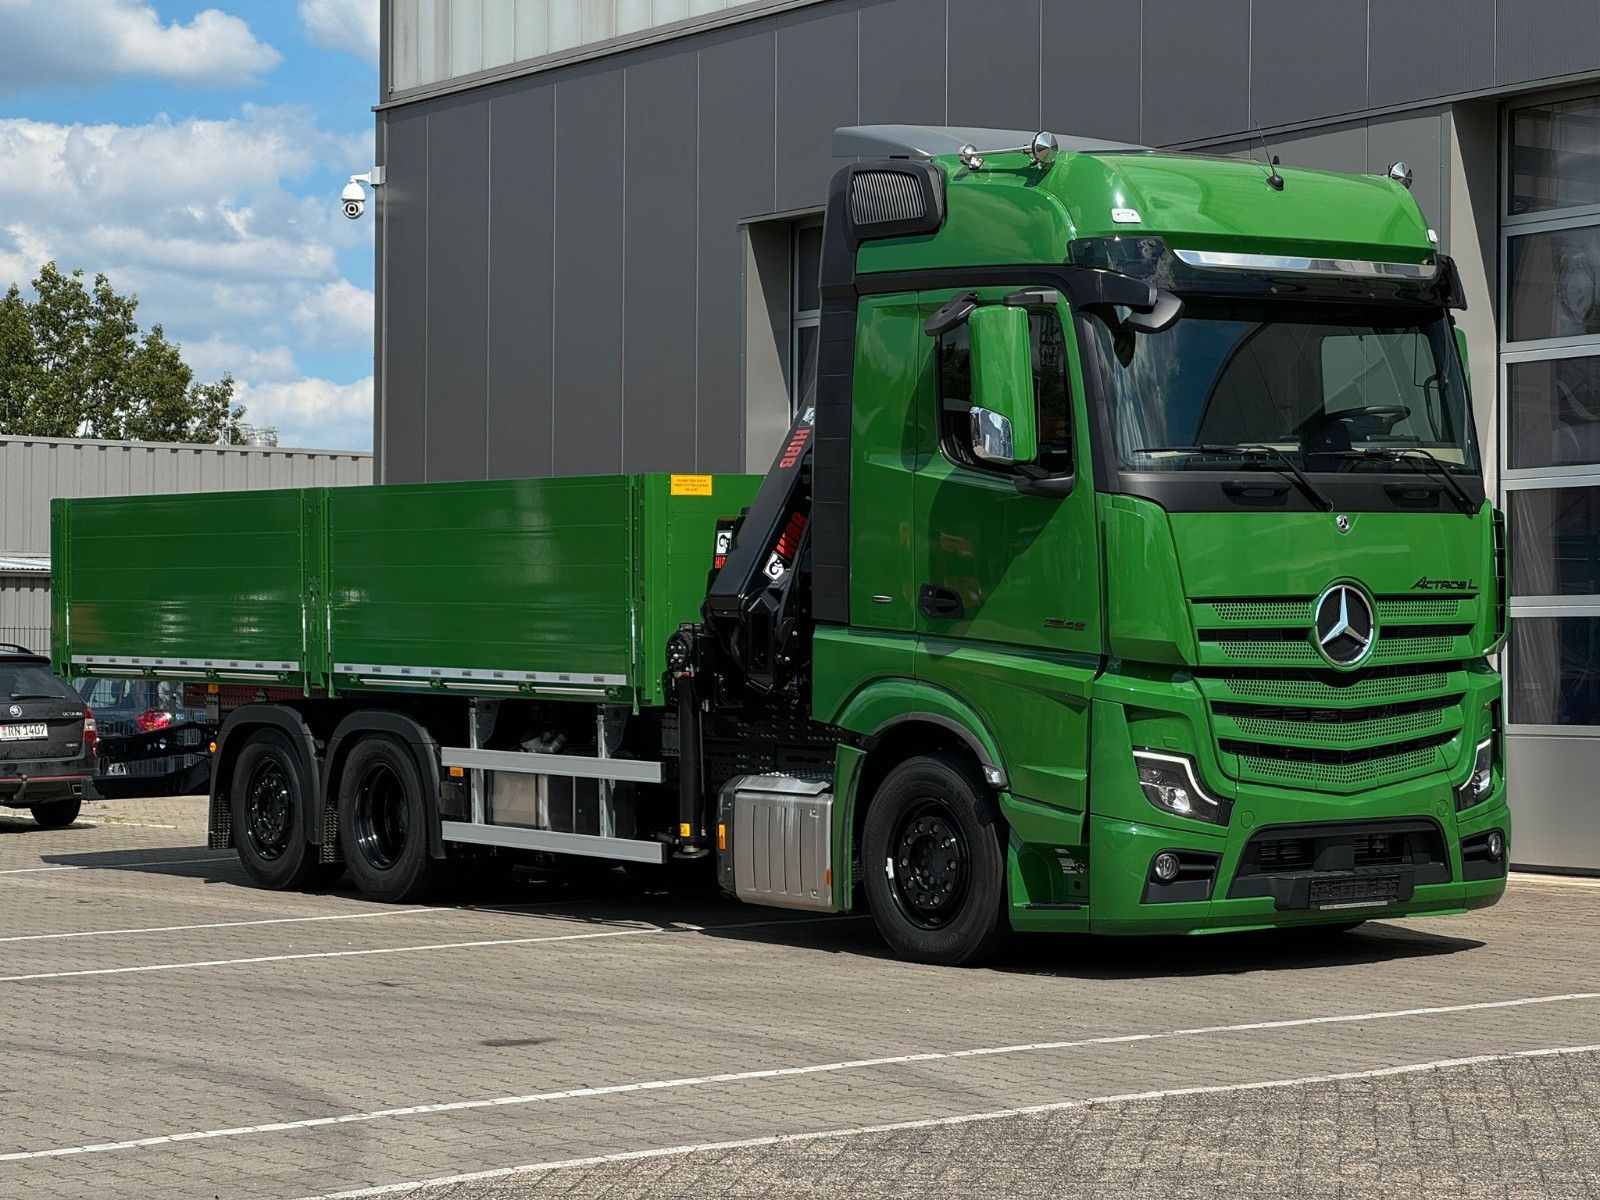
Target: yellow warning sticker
(691, 485)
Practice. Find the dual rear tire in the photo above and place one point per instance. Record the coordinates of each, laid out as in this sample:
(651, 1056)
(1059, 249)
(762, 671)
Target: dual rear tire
(383, 819)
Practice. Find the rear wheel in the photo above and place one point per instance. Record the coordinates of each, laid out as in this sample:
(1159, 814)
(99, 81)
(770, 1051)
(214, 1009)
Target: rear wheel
(934, 863)
(57, 814)
(383, 822)
(267, 798)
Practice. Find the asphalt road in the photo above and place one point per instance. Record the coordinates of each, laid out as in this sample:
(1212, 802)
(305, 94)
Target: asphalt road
(170, 1031)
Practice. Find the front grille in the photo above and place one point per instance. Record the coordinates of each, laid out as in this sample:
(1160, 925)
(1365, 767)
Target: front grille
(1293, 644)
(1330, 689)
(1373, 724)
(1338, 770)
(1297, 609)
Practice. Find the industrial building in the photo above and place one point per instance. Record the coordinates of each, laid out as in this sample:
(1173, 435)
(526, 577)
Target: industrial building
(35, 469)
(597, 233)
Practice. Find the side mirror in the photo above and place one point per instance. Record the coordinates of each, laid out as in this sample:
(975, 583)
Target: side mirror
(1004, 424)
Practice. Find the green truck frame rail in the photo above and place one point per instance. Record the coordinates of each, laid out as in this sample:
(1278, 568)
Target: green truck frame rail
(1129, 571)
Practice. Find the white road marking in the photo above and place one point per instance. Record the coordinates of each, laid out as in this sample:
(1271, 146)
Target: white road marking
(780, 1139)
(630, 931)
(121, 866)
(656, 1085)
(92, 933)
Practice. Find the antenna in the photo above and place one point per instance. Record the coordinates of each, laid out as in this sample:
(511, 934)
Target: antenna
(1274, 180)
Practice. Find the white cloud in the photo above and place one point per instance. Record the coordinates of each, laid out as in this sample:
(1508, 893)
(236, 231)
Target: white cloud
(313, 412)
(91, 41)
(343, 25)
(203, 222)
(338, 315)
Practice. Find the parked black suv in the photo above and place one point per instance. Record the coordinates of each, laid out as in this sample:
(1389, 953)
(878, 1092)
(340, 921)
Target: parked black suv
(49, 745)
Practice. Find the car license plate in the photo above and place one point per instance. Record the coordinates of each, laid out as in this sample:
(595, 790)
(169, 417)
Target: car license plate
(1362, 891)
(23, 733)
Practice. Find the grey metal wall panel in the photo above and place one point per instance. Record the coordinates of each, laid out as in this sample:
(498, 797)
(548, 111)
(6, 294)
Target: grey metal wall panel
(1089, 75)
(33, 471)
(1423, 48)
(1418, 140)
(25, 611)
(1342, 148)
(403, 454)
(815, 76)
(522, 175)
(737, 164)
(1554, 805)
(1538, 39)
(458, 289)
(1308, 59)
(659, 227)
(902, 62)
(993, 63)
(1196, 68)
(588, 273)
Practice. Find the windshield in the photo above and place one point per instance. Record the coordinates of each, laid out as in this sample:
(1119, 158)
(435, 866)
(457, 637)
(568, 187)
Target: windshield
(1332, 388)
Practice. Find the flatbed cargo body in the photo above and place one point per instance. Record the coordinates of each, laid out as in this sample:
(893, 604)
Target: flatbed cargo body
(528, 587)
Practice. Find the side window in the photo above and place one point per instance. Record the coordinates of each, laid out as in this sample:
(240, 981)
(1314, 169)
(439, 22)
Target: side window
(1049, 388)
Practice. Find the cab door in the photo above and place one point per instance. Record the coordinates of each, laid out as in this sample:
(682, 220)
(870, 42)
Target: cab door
(1006, 554)
(1006, 568)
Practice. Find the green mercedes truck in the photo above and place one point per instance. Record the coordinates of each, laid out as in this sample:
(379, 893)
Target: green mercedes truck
(1130, 570)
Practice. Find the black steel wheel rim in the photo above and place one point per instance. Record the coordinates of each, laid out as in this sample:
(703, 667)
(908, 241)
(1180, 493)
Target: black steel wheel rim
(269, 807)
(929, 866)
(383, 817)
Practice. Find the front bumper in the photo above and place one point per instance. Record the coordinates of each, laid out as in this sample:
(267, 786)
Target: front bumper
(1329, 889)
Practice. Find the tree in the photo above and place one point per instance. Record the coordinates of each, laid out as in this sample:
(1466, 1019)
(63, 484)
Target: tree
(73, 363)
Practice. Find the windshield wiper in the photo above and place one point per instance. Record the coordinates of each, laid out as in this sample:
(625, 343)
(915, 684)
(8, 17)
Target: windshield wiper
(1427, 464)
(1250, 450)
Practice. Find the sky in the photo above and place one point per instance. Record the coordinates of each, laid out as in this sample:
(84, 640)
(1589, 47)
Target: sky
(195, 155)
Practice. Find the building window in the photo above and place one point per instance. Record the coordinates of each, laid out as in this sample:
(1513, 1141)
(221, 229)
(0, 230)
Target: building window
(805, 312)
(1550, 411)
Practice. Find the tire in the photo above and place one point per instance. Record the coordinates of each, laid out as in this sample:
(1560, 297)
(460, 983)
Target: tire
(933, 855)
(57, 814)
(383, 822)
(267, 798)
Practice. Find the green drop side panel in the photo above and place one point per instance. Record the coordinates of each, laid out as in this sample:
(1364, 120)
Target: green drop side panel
(179, 579)
(551, 586)
(517, 576)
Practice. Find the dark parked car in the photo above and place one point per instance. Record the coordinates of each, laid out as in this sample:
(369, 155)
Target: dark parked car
(49, 745)
(127, 708)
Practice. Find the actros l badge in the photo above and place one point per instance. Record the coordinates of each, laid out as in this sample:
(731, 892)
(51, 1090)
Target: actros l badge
(1345, 628)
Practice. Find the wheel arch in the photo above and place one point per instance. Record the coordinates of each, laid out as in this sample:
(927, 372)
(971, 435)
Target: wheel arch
(899, 719)
(232, 738)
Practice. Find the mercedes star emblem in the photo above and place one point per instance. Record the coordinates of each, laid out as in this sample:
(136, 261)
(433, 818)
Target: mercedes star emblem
(1342, 523)
(1344, 625)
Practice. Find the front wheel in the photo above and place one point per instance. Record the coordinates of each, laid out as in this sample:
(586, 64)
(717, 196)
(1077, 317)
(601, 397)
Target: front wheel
(933, 854)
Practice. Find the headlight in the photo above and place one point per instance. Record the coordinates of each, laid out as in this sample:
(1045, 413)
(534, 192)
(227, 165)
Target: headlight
(1478, 785)
(1169, 783)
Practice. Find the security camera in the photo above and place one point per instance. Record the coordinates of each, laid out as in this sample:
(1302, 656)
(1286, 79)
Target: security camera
(354, 198)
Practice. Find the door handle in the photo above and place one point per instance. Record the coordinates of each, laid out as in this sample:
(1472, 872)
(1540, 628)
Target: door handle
(942, 604)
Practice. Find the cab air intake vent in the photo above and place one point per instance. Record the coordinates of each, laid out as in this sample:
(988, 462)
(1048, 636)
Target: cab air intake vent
(884, 197)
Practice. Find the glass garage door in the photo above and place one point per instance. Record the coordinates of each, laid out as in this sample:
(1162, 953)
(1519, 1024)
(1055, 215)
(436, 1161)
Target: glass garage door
(1550, 475)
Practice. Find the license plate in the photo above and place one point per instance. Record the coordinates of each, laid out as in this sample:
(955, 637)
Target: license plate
(1368, 891)
(23, 733)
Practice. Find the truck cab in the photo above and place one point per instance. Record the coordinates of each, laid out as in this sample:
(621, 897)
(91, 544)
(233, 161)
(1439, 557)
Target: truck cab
(1148, 505)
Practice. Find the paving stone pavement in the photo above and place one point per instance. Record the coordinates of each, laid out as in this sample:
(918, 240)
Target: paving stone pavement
(169, 1031)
